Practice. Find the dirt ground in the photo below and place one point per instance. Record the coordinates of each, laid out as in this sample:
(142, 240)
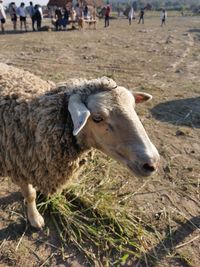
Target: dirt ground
(163, 61)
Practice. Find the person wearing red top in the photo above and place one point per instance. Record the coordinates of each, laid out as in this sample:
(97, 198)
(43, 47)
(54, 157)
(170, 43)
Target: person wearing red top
(107, 15)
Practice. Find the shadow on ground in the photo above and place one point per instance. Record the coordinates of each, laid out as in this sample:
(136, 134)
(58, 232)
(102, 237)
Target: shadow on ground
(197, 31)
(168, 245)
(15, 230)
(182, 112)
(13, 32)
(19, 229)
(9, 199)
(194, 30)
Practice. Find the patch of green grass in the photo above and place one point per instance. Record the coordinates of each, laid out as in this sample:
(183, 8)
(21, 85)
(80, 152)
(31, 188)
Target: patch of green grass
(92, 216)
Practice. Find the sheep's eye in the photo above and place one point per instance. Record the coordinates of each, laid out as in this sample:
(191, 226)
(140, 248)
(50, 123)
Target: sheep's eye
(97, 118)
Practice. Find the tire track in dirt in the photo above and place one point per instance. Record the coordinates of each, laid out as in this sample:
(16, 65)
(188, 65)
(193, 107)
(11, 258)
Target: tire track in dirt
(20, 62)
(190, 44)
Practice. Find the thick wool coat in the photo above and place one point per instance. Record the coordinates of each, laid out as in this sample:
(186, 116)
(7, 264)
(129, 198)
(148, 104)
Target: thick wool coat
(36, 141)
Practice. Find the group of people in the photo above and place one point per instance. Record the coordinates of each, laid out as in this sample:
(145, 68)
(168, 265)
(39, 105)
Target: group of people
(59, 20)
(77, 13)
(35, 13)
(131, 16)
(61, 16)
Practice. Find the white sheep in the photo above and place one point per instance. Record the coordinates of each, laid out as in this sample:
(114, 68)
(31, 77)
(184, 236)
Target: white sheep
(47, 129)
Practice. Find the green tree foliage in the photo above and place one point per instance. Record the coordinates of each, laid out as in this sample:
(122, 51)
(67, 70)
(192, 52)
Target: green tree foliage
(158, 4)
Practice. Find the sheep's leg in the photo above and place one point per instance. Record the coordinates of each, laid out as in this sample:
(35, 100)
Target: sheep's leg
(34, 217)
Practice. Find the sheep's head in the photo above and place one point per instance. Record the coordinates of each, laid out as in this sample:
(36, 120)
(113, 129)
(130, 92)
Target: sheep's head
(108, 121)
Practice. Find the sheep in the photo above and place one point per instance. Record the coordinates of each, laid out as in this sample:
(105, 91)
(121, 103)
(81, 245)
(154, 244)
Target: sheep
(48, 129)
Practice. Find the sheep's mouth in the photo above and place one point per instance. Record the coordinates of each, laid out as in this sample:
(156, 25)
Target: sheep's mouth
(133, 167)
(136, 168)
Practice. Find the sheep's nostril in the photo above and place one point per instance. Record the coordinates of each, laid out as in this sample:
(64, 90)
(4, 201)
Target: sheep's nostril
(148, 168)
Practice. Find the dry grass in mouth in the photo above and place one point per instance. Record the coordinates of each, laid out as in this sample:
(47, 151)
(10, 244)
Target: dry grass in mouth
(95, 218)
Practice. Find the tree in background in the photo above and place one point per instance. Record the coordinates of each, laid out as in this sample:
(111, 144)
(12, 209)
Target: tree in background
(180, 5)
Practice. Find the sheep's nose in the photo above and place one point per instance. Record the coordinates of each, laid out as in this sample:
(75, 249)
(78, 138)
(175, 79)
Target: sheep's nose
(149, 163)
(149, 168)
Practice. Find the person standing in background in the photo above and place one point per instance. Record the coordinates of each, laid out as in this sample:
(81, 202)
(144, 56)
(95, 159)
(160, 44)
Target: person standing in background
(73, 17)
(131, 15)
(107, 16)
(38, 16)
(141, 16)
(31, 11)
(78, 11)
(22, 16)
(2, 16)
(163, 17)
(85, 12)
(13, 15)
(58, 18)
(65, 17)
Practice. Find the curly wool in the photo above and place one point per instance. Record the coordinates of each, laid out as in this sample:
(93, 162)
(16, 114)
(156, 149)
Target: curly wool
(36, 141)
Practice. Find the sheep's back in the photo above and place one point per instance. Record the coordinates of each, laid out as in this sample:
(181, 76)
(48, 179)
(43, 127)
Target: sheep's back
(36, 141)
(21, 83)
(19, 90)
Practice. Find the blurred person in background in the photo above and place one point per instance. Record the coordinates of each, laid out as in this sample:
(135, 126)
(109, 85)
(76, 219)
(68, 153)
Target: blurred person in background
(85, 12)
(38, 16)
(31, 11)
(73, 17)
(107, 16)
(163, 17)
(141, 16)
(58, 18)
(79, 11)
(13, 15)
(2, 16)
(65, 17)
(22, 16)
(130, 15)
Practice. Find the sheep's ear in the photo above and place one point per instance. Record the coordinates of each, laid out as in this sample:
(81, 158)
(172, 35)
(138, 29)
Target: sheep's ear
(141, 97)
(79, 113)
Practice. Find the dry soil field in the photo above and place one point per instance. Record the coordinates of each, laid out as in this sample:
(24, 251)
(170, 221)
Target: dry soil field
(164, 62)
